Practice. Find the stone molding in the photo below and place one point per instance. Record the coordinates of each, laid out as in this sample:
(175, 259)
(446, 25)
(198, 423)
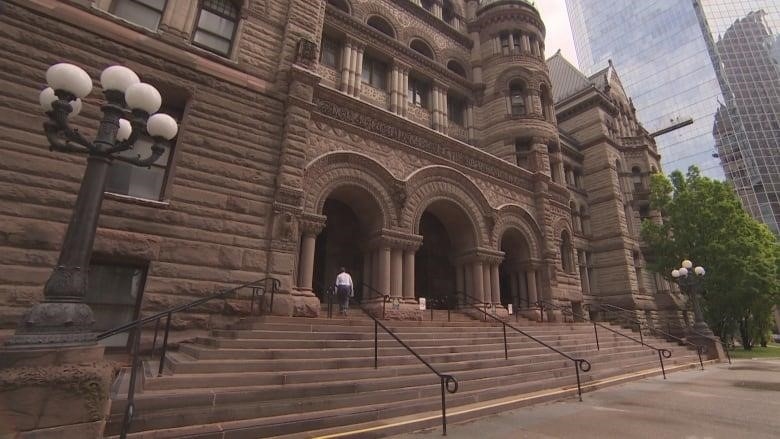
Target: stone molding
(394, 239)
(311, 224)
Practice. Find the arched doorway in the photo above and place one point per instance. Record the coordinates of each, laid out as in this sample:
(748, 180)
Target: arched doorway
(447, 232)
(353, 215)
(515, 270)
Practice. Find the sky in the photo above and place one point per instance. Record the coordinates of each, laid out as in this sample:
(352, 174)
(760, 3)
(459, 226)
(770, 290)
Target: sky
(556, 20)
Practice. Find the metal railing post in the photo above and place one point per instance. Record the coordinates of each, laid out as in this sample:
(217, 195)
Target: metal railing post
(443, 409)
(596, 331)
(661, 359)
(156, 329)
(579, 386)
(376, 345)
(134, 365)
(506, 348)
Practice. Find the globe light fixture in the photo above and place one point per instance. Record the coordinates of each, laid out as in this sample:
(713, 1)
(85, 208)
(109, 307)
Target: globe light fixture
(690, 279)
(63, 318)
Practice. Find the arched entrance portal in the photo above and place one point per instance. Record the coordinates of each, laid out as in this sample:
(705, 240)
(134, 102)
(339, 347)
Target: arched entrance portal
(352, 217)
(516, 273)
(446, 232)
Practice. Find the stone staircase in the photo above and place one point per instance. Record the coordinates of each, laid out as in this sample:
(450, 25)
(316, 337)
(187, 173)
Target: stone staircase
(300, 377)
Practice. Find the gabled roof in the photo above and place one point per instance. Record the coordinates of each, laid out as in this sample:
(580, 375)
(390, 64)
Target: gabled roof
(566, 79)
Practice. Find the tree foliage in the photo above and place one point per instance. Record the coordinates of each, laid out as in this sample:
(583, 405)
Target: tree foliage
(704, 222)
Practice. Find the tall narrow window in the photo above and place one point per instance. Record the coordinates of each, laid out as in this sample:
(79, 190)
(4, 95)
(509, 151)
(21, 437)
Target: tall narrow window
(504, 37)
(456, 108)
(329, 55)
(517, 98)
(374, 72)
(147, 183)
(522, 150)
(146, 13)
(566, 252)
(636, 177)
(216, 26)
(418, 92)
(516, 38)
(448, 13)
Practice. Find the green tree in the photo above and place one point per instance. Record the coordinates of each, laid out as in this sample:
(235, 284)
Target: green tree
(704, 222)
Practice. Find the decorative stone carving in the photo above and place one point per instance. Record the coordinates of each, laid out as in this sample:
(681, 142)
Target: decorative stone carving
(306, 53)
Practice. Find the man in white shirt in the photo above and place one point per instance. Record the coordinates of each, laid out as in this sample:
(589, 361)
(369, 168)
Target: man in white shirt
(344, 290)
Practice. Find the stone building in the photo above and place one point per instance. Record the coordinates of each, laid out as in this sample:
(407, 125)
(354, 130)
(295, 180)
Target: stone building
(424, 145)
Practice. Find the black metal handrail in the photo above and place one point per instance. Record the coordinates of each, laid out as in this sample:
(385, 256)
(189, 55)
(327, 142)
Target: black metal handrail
(662, 352)
(375, 294)
(690, 330)
(259, 289)
(580, 364)
(627, 316)
(448, 382)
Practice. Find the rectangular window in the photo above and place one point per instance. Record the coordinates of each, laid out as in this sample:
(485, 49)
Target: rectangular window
(216, 26)
(329, 55)
(146, 13)
(135, 181)
(374, 73)
(113, 293)
(456, 108)
(418, 93)
(504, 43)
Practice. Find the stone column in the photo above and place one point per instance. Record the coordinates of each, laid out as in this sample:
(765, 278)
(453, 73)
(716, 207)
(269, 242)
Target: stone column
(487, 287)
(396, 270)
(477, 287)
(470, 123)
(444, 113)
(346, 63)
(437, 9)
(459, 279)
(353, 56)
(394, 89)
(468, 279)
(306, 264)
(384, 270)
(512, 42)
(496, 283)
(522, 284)
(533, 294)
(525, 43)
(435, 108)
(404, 104)
(408, 287)
(514, 284)
(540, 161)
(359, 70)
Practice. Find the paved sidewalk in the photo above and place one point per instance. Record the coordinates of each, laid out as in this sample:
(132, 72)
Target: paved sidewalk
(737, 401)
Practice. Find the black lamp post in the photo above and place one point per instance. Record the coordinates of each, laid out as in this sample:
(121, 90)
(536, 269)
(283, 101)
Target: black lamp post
(63, 318)
(689, 279)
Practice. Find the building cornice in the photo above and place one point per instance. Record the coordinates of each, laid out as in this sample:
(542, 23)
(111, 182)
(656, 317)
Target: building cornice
(436, 22)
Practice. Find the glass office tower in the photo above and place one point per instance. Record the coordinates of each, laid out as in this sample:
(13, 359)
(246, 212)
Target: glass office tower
(714, 61)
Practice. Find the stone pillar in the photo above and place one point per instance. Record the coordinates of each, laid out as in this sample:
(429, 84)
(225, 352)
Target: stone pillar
(443, 111)
(394, 89)
(408, 287)
(478, 287)
(353, 56)
(496, 283)
(404, 104)
(384, 270)
(437, 9)
(533, 294)
(436, 107)
(525, 43)
(512, 42)
(487, 287)
(540, 161)
(396, 277)
(514, 284)
(522, 285)
(468, 279)
(346, 63)
(359, 70)
(306, 264)
(470, 123)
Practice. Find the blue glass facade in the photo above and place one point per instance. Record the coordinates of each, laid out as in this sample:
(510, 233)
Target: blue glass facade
(715, 61)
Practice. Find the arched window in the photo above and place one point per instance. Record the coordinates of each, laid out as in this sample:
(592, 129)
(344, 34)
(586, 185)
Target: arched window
(339, 4)
(216, 26)
(517, 93)
(636, 177)
(422, 48)
(381, 25)
(566, 252)
(455, 67)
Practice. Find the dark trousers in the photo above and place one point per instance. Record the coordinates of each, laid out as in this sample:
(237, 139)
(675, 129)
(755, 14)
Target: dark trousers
(342, 294)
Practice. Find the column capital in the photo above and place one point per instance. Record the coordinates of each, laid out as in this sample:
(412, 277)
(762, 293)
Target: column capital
(395, 240)
(311, 224)
(483, 255)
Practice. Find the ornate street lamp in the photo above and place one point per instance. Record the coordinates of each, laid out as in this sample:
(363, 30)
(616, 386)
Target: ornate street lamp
(690, 279)
(62, 318)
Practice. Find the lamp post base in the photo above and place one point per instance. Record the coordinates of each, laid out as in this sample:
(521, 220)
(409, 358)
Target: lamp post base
(54, 324)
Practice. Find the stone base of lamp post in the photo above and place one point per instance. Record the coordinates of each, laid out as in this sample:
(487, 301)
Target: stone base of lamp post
(532, 314)
(54, 323)
(713, 349)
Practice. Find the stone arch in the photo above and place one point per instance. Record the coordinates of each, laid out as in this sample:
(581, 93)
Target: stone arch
(343, 5)
(513, 216)
(423, 47)
(382, 24)
(560, 226)
(510, 74)
(433, 183)
(331, 171)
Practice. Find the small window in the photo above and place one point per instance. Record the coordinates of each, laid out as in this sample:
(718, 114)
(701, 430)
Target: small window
(113, 293)
(146, 13)
(135, 181)
(418, 92)
(522, 149)
(456, 108)
(374, 72)
(329, 55)
(517, 98)
(216, 26)
(636, 177)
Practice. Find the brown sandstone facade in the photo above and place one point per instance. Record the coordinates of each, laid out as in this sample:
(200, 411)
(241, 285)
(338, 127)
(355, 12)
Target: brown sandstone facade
(415, 143)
